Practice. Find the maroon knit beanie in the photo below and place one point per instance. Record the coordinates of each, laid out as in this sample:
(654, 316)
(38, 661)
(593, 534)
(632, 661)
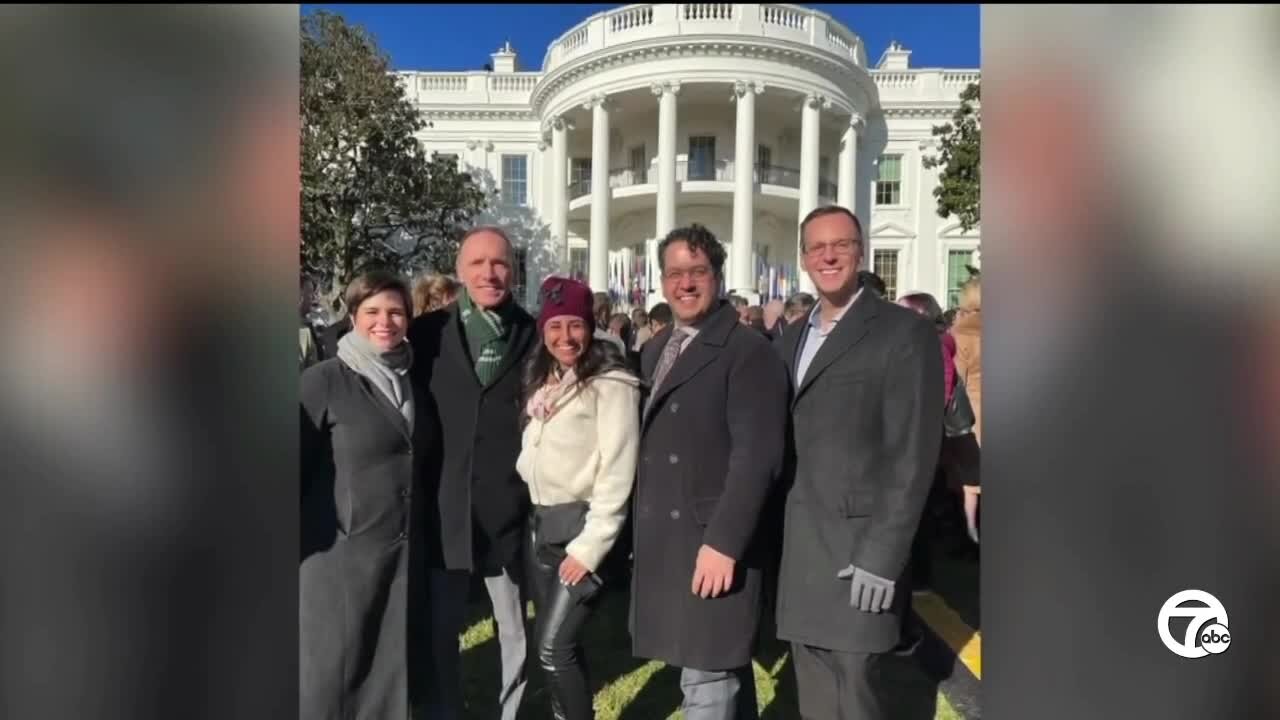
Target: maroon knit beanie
(565, 296)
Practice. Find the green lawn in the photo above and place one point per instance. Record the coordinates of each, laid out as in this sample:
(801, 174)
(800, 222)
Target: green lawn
(630, 689)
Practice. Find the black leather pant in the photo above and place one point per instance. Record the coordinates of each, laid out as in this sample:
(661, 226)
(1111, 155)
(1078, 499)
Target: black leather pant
(557, 626)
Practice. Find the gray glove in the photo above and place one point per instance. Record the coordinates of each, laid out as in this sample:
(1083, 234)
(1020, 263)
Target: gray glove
(867, 592)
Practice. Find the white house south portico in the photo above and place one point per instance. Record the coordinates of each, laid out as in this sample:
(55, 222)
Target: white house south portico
(741, 117)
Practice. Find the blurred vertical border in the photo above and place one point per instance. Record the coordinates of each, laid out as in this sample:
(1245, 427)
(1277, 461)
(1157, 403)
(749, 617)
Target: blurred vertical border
(1132, 359)
(149, 195)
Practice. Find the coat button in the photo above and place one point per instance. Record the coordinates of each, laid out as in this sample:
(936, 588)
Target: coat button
(674, 458)
(402, 536)
(675, 514)
(675, 407)
(405, 493)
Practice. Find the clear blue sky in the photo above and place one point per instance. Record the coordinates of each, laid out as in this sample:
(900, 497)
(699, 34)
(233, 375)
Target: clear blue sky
(461, 37)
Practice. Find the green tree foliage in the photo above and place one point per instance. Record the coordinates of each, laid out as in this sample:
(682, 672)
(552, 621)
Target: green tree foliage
(959, 190)
(370, 196)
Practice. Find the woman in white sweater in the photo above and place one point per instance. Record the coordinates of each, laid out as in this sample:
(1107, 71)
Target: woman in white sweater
(581, 438)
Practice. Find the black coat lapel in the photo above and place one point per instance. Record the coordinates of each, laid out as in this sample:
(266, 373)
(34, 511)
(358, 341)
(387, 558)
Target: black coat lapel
(389, 411)
(454, 343)
(704, 348)
(848, 332)
(790, 345)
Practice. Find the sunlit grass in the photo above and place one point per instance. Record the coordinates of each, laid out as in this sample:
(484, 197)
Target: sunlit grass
(631, 689)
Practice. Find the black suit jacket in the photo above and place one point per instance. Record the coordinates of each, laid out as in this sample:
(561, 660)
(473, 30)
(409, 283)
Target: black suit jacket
(481, 500)
(866, 431)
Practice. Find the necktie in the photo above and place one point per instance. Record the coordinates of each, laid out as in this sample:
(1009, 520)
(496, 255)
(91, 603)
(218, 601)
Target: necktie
(669, 354)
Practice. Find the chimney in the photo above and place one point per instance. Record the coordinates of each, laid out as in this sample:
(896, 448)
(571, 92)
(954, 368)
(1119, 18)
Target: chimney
(504, 60)
(895, 58)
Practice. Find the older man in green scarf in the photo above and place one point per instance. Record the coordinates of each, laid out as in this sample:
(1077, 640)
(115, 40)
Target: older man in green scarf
(471, 355)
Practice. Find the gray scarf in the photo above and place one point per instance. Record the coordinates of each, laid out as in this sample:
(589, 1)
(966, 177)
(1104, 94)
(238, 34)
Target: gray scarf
(388, 371)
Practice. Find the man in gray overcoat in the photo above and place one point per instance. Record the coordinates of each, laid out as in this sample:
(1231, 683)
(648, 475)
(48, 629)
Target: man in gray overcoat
(712, 445)
(866, 417)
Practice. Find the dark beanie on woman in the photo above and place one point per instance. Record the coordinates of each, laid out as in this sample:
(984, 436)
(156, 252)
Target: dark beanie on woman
(565, 296)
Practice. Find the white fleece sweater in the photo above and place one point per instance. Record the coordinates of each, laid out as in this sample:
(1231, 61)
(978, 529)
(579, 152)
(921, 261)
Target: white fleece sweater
(587, 451)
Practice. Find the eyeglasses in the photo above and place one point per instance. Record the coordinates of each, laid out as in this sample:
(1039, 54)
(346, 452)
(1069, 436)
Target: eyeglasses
(698, 273)
(841, 247)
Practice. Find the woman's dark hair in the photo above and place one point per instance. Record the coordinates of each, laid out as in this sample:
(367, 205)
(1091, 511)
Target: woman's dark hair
(601, 357)
(926, 305)
(373, 282)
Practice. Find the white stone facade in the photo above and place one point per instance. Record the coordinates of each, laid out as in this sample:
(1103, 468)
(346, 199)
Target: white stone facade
(668, 102)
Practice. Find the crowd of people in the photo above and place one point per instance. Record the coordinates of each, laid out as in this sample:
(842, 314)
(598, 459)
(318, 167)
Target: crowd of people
(719, 460)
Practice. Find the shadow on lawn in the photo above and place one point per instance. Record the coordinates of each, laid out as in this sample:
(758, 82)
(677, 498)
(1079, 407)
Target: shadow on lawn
(627, 688)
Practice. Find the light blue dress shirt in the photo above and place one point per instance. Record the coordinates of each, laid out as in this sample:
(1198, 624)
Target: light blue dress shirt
(814, 337)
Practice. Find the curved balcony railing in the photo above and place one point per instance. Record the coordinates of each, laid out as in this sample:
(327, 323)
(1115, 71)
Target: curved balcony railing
(718, 171)
(628, 176)
(777, 175)
(661, 20)
(703, 170)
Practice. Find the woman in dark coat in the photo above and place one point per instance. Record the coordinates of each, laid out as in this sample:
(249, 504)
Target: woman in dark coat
(362, 433)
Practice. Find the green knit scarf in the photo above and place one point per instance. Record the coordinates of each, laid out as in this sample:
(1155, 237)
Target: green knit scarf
(487, 333)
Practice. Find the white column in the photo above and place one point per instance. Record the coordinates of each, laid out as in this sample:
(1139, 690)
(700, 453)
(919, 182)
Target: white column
(560, 191)
(599, 243)
(665, 219)
(846, 192)
(808, 174)
(653, 273)
(744, 186)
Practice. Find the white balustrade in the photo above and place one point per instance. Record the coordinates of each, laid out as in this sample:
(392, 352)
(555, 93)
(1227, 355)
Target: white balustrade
(959, 79)
(629, 18)
(839, 41)
(784, 16)
(443, 83)
(574, 40)
(512, 83)
(708, 11)
(631, 23)
(895, 79)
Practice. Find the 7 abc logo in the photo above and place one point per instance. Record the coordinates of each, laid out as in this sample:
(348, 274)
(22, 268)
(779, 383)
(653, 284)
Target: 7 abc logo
(1207, 630)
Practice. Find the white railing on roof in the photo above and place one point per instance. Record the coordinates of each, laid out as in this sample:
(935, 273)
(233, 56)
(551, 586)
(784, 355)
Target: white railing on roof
(895, 79)
(632, 23)
(785, 15)
(959, 79)
(630, 17)
(474, 87)
(443, 82)
(517, 83)
(708, 11)
(923, 84)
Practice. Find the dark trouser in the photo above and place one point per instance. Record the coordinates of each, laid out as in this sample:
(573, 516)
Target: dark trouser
(721, 695)
(837, 685)
(558, 624)
(447, 604)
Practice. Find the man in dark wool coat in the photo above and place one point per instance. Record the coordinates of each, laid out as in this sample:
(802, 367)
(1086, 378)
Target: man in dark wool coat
(471, 355)
(866, 418)
(712, 444)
